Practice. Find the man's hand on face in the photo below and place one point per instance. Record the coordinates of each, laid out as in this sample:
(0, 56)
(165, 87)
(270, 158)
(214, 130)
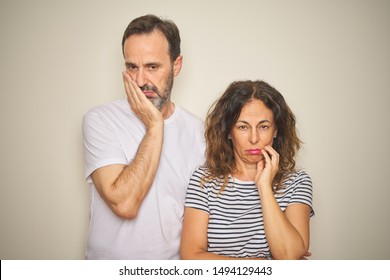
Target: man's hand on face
(141, 105)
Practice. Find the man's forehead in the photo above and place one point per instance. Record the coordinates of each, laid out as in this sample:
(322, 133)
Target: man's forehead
(155, 36)
(152, 44)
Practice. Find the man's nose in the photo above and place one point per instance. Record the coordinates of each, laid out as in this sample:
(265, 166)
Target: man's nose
(141, 78)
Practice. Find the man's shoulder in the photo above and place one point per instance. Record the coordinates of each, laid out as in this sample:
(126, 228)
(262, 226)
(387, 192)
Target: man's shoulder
(114, 112)
(184, 113)
(119, 105)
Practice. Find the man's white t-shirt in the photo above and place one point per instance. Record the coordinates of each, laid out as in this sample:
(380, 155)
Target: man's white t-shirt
(112, 134)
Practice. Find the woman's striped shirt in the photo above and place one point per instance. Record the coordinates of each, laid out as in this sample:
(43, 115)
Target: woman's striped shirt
(236, 226)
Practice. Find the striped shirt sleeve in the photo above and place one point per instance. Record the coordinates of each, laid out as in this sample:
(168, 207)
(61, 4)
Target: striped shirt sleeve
(197, 195)
(302, 190)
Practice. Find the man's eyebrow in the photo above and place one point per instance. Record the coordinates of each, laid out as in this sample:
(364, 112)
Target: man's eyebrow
(147, 64)
(129, 64)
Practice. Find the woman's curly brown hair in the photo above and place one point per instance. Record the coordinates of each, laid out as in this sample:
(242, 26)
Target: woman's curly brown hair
(224, 113)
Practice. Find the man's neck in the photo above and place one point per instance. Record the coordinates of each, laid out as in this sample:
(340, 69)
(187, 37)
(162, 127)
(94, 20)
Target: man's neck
(167, 110)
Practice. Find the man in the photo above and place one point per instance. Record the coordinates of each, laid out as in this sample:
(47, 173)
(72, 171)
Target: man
(141, 151)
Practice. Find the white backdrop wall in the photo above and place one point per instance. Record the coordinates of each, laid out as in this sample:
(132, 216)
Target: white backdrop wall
(330, 59)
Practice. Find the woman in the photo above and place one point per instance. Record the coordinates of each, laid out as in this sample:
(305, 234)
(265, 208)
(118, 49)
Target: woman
(248, 201)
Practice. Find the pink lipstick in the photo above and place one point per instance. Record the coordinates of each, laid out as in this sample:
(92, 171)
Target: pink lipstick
(254, 151)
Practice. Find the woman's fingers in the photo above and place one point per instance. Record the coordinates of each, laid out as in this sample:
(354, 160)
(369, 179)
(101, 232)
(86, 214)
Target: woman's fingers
(271, 157)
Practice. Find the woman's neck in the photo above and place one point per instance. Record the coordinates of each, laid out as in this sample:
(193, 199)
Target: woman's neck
(245, 172)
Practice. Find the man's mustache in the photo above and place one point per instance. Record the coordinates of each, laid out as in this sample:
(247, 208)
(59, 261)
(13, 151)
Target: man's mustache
(150, 88)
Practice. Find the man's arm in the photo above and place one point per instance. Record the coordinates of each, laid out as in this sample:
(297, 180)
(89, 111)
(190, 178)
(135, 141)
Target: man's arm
(124, 187)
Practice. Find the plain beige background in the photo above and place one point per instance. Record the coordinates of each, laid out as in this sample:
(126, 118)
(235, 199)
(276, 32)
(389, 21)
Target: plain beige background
(330, 59)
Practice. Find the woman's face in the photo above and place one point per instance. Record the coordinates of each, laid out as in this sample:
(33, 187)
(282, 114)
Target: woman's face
(254, 129)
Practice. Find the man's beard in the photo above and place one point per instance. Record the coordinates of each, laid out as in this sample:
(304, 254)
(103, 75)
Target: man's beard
(162, 98)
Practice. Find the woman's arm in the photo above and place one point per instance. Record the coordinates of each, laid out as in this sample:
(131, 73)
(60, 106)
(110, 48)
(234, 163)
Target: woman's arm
(287, 233)
(194, 237)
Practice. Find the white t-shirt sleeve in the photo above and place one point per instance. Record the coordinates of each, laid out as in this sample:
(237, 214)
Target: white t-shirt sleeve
(101, 144)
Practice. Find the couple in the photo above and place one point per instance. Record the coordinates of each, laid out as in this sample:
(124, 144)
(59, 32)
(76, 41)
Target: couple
(145, 157)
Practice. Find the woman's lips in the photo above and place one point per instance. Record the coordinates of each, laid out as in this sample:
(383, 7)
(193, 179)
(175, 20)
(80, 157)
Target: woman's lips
(254, 151)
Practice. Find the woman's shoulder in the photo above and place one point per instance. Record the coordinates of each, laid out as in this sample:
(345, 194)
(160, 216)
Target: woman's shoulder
(202, 170)
(297, 179)
(204, 176)
(299, 175)
(199, 173)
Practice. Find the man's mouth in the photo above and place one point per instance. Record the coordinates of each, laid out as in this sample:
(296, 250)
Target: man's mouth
(149, 91)
(149, 94)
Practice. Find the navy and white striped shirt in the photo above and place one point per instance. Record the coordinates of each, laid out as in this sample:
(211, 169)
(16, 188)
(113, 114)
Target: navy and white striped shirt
(236, 226)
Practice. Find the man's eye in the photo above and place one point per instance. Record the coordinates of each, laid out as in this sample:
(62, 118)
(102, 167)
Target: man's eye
(132, 67)
(153, 67)
(242, 127)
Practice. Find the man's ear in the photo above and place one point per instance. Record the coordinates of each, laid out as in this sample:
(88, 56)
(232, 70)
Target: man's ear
(177, 64)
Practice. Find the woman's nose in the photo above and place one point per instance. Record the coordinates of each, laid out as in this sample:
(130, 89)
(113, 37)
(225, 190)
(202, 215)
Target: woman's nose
(254, 136)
